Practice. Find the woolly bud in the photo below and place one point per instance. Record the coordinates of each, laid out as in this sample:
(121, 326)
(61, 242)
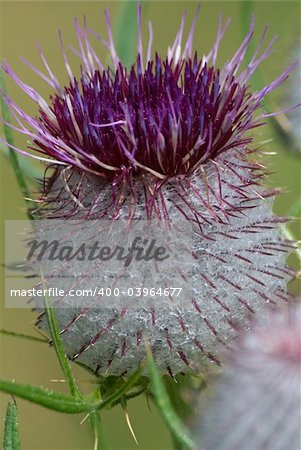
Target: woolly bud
(164, 140)
(257, 401)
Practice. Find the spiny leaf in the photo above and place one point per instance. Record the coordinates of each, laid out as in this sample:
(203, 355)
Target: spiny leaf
(174, 424)
(58, 345)
(11, 439)
(47, 398)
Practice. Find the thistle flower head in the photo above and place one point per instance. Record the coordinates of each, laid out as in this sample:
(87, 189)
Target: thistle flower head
(165, 138)
(163, 118)
(257, 401)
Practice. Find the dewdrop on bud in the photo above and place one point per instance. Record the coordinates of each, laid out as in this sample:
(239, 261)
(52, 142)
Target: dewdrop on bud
(162, 141)
(256, 405)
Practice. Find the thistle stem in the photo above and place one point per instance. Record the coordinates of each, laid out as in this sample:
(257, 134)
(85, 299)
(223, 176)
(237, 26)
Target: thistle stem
(13, 157)
(99, 441)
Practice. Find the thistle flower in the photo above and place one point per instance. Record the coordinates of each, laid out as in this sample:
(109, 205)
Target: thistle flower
(164, 139)
(257, 402)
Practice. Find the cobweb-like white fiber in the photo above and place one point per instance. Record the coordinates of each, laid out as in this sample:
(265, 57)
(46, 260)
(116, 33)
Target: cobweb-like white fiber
(239, 271)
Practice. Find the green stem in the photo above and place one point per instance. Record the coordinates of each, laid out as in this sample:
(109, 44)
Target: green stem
(176, 389)
(126, 42)
(13, 155)
(58, 346)
(99, 439)
(179, 433)
(22, 336)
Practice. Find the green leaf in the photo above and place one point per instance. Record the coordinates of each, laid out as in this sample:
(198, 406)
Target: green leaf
(126, 42)
(12, 154)
(11, 439)
(174, 424)
(47, 398)
(58, 345)
(119, 393)
(133, 394)
(127, 32)
(22, 336)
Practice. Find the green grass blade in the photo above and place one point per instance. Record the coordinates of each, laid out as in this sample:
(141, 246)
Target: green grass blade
(47, 398)
(22, 336)
(58, 345)
(171, 419)
(12, 154)
(11, 439)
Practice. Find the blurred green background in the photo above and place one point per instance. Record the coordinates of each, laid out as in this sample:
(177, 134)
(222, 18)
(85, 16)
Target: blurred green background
(22, 24)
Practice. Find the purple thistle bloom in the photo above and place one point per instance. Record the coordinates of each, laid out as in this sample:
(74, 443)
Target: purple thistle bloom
(165, 118)
(256, 405)
(167, 139)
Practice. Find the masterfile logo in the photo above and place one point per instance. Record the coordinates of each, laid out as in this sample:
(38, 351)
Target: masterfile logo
(108, 263)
